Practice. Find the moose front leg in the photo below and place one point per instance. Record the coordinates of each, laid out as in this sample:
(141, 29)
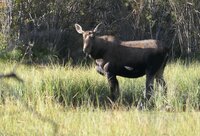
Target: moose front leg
(100, 70)
(99, 66)
(112, 80)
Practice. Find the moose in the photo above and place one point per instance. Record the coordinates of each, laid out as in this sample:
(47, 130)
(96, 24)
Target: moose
(131, 59)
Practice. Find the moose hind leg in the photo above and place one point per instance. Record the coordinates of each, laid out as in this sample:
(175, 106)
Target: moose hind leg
(114, 86)
(149, 86)
(160, 81)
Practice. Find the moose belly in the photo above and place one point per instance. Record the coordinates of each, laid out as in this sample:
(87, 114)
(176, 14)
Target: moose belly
(121, 70)
(130, 72)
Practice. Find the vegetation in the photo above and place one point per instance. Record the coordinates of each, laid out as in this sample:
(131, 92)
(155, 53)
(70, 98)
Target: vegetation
(44, 30)
(66, 100)
(52, 96)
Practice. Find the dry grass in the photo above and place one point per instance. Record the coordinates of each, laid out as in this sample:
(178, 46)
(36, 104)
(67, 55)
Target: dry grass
(56, 100)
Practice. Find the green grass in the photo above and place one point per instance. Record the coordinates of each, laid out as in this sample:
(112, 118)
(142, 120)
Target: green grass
(57, 100)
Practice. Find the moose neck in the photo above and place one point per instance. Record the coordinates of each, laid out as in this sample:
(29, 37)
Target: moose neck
(99, 48)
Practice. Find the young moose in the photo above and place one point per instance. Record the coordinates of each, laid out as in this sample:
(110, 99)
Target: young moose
(130, 59)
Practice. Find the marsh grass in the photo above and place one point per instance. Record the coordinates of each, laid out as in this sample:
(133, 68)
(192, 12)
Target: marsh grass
(66, 100)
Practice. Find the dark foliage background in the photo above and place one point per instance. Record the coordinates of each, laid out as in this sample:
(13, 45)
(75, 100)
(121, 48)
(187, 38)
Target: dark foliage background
(44, 31)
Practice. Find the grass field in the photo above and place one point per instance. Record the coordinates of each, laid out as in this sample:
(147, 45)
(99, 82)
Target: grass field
(66, 100)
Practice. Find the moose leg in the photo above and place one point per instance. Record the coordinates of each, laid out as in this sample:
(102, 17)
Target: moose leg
(112, 80)
(160, 81)
(149, 86)
(99, 66)
(114, 86)
(148, 92)
(100, 70)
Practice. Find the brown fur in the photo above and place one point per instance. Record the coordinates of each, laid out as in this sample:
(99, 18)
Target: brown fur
(126, 58)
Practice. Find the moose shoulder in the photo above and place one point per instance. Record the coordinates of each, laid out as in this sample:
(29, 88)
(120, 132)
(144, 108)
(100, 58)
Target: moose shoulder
(125, 58)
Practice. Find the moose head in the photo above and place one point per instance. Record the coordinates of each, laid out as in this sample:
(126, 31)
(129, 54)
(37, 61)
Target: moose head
(88, 37)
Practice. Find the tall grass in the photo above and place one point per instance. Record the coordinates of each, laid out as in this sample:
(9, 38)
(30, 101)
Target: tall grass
(66, 100)
(76, 86)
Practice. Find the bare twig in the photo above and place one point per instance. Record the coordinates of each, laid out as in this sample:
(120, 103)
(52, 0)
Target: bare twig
(11, 75)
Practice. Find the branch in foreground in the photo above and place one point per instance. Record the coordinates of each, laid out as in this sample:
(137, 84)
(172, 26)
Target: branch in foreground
(11, 75)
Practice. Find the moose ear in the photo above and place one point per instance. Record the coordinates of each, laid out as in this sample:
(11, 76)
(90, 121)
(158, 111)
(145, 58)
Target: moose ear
(79, 28)
(97, 28)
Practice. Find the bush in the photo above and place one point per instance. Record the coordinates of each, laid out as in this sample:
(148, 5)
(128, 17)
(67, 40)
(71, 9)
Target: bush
(50, 24)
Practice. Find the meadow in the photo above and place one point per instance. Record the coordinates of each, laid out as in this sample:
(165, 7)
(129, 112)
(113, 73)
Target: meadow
(73, 100)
